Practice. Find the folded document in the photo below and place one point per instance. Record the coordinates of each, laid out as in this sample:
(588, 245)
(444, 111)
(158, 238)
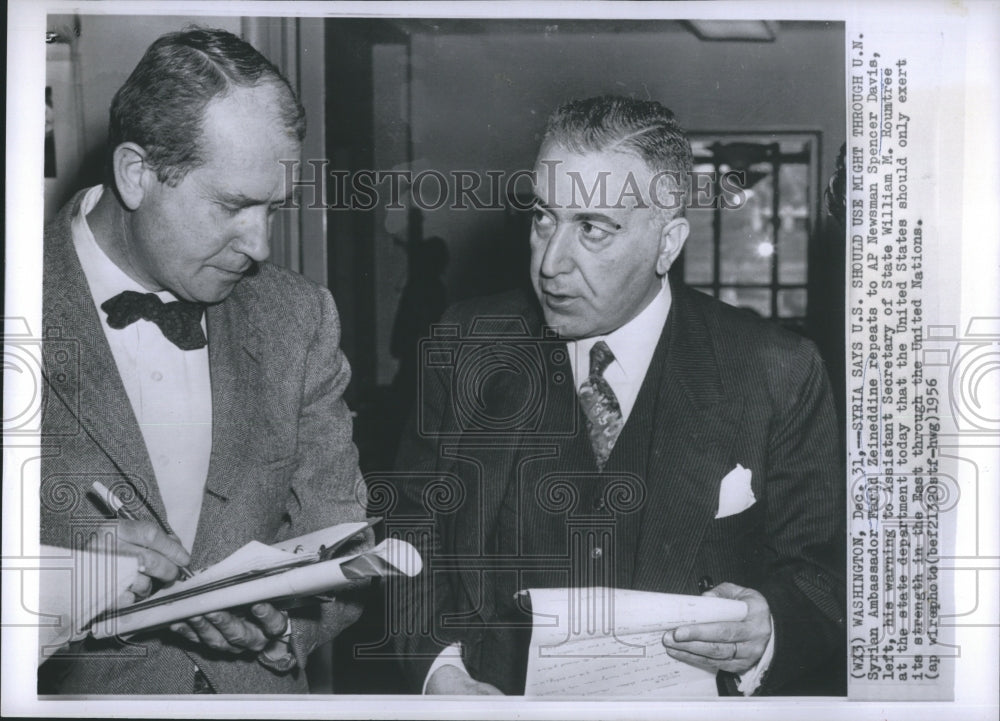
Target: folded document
(286, 572)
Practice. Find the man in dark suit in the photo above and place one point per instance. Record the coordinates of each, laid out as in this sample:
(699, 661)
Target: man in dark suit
(620, 430)
(208, 392)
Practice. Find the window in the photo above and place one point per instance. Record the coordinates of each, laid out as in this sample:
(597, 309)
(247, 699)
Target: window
(756, 255)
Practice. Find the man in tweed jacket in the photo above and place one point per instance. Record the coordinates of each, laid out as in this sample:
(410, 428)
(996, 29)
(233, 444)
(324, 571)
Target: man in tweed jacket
(711, 464)
(209, 386)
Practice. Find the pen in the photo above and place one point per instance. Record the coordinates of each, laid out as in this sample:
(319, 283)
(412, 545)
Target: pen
(118, 507)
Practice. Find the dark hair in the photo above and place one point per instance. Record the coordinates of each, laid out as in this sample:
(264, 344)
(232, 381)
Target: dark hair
(643, 127)
(161, 106)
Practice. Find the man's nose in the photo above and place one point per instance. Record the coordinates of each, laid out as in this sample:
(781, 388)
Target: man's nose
(254, 234)
(557, 252)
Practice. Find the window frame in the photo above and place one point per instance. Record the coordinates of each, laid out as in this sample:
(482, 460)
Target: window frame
(810, 156)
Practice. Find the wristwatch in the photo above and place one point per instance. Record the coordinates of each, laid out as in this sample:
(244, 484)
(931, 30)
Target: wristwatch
(286, 661)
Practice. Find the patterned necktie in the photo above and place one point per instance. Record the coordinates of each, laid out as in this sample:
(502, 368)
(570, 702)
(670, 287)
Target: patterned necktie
(178, 320)
(604, 415)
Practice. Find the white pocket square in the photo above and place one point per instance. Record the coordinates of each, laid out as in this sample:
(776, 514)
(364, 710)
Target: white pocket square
(735, 493)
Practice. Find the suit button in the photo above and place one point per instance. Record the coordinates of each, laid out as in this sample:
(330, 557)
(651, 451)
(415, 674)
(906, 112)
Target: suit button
(597, 553)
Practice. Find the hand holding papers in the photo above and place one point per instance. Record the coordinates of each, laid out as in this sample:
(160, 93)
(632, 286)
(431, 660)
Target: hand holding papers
(740, 647)
(289, 571)
(608, 642)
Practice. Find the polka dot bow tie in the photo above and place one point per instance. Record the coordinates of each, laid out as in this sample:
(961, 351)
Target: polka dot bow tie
(178, 320)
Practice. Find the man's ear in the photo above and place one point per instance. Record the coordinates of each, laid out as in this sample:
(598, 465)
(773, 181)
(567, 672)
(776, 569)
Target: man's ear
(132, 174)
(673, 234)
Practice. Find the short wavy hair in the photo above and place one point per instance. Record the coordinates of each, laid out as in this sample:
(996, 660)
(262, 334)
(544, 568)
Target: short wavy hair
(161, 106)
(612, 122)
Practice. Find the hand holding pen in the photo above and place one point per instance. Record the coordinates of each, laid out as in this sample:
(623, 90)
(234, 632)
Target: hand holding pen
(160, 555)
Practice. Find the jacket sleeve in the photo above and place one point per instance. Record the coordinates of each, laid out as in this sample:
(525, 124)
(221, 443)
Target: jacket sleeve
(804, 550)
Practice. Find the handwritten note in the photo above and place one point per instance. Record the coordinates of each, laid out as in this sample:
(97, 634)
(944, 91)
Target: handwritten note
(607, 642)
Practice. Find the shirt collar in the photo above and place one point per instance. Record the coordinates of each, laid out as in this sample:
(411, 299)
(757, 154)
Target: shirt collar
(632, 344)
(105, 279)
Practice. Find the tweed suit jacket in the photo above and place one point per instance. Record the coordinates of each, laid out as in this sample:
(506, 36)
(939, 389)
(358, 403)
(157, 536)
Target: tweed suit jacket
(723, 388)
(282, 460)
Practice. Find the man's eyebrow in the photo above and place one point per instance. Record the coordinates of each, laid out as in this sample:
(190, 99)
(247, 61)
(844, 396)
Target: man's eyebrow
(579, 217)
(239, 200)
(599, 217)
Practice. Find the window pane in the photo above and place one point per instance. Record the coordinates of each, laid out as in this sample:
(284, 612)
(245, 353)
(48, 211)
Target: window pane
(747, 239)
(766, 239)
(756, 300)
(793, 236)
(792, 303)
(794, 146)
(699, 250)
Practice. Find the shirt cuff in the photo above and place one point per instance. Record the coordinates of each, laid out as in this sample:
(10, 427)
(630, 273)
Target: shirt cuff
(449, 656)
(750, 680)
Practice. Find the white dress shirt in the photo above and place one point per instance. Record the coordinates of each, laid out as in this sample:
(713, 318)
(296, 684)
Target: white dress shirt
(633, 345)
(169, 389)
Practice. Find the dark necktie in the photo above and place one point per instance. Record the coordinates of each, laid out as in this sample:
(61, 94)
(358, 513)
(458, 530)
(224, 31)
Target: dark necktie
(604, 415)
(178, 320)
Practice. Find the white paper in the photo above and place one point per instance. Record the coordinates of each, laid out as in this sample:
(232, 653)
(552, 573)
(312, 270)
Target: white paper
(254, 556)
(607, 642)
(325, 537)
(299, 582)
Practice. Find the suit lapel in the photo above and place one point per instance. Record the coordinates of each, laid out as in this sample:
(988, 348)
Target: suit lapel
(697, 421)
(234, 349)
(536, 451)
(95, 395)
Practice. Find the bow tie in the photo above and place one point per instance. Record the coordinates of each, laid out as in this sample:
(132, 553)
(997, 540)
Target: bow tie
(178, 320)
